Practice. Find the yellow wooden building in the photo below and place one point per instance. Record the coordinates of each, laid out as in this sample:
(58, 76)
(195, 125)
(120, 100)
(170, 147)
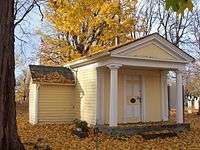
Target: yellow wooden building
(124, 84)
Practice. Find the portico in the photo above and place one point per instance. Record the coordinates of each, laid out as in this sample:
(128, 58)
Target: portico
(148, 75)
(114, 90)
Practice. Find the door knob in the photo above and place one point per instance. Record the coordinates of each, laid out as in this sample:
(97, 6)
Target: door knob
(132, 100)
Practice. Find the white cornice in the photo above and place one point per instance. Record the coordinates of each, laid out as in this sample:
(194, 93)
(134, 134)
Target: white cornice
(87, 61)
(181, 56)
(147, 63)
(152, 59)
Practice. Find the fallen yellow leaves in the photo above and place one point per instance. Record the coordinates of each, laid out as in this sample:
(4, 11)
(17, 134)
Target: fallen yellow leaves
(59, 136)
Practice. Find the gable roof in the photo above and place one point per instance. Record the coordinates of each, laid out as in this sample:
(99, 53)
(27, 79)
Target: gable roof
(159, 39)
(50, 74)
(115, 49)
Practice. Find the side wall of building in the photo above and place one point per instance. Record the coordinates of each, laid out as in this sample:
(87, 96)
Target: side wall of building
(33, 103)
(56, 103)
(86, 93)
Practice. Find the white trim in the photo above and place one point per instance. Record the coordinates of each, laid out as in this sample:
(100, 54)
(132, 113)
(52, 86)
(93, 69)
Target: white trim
(114, 65)
(113, 115)
(162, 95)
(88, 60)
(149, 59)
(29, 103)
(36, 104)
(142, 63)
(179, 104)
(33, 103)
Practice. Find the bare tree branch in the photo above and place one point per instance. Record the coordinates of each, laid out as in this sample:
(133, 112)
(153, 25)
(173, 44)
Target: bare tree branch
(27, 8)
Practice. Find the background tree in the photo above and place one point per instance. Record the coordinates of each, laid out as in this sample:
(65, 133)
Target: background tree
(26, 13)
(22, 87)
(169, 24)
(147, 14)
(179, 5)
(193, 81)
(22, 80)
(84, 27)
(25, 41)
(80, 27)
(195, 30)
(173, 26)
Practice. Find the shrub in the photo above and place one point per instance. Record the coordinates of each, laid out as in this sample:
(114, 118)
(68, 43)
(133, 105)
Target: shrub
(83, 125)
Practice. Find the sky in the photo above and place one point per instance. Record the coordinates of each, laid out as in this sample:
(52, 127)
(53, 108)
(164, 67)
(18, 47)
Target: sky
(29, 48)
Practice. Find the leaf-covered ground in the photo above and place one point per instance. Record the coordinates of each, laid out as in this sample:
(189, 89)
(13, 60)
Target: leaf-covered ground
(59, 136)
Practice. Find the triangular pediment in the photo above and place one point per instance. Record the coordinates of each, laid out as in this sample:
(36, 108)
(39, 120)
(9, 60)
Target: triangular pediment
(152, 47)
(151, 51)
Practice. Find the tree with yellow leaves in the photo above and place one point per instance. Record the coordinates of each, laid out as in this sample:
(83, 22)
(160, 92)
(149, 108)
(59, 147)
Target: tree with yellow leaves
(84, 27)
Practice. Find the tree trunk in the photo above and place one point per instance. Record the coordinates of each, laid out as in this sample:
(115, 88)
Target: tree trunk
(9, 139)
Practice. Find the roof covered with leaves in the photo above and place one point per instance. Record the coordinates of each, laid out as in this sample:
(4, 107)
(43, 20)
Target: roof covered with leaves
(50, 74)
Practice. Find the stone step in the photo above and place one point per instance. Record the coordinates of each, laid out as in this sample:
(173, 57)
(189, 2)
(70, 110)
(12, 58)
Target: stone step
(163, 134)
(137, 130)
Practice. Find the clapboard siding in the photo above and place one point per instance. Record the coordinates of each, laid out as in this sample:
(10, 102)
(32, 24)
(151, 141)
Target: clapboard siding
(56, 103)
(32, 103)
(86, 96)
(153, 97)
(152, 85)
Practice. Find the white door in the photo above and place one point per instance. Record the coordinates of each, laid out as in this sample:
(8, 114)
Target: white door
(133, 98)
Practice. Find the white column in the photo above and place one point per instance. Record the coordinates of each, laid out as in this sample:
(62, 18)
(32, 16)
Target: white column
(113, 94)
(100, 97)
(179, 98)
(196, 103)
(189, 106)
(164, 93)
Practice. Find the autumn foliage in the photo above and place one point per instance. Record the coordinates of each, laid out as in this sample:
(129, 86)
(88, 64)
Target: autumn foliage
(59, 136)
(83, 27)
